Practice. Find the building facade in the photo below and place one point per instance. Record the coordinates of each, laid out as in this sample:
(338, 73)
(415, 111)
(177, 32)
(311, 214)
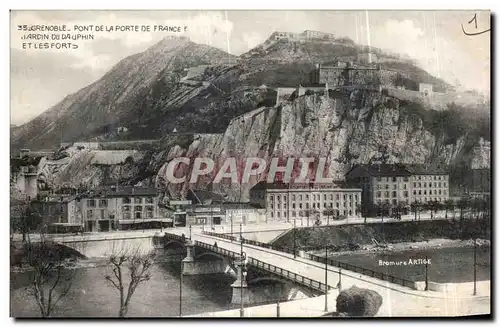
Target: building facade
(285, 203)
(397, 184)
(115, 207)
(59, 210)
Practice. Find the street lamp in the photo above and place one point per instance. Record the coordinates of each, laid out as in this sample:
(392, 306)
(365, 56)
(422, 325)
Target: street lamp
(242, 258)
(180, 293)
(475, 265)
(294, 239)
(189, 232)
(326, 278)
(426, 276)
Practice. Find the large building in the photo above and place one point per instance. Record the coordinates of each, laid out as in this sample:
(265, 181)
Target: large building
(119, 207)
(398, 184)
(284, 202)
(62, 211)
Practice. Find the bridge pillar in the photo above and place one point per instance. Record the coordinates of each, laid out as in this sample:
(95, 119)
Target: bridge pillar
(188, 263)
(240, 287)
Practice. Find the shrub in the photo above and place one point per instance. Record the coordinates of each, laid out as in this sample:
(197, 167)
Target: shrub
(359, 302)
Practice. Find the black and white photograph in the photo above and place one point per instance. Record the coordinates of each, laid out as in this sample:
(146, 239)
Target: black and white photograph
(201, 164)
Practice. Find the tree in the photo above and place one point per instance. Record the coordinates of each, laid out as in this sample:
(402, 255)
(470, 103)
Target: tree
(50, 281)
(384, 209)
(329, 213)
(310, 213)
(416, 207)
(23, 218)
(359, 210)
(138, 265)
(433, 207)
(359, 302)
(462, 204)
(448, 205)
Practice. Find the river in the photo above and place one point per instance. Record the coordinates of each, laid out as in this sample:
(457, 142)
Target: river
(92, 296)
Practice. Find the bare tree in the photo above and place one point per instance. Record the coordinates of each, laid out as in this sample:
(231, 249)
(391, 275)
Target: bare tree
(50, 281)
(138, 265)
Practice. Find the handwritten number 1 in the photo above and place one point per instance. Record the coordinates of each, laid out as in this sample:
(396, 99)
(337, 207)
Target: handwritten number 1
(474, 19)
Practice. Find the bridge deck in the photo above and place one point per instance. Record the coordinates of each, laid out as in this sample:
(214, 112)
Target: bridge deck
(398, 300)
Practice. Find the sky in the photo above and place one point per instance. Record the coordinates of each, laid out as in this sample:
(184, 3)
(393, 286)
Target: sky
(40, 78)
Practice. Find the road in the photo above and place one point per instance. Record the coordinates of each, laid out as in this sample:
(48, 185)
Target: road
(398, 300)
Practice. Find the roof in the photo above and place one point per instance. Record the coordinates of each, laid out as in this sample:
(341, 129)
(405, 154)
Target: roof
(25, 161)
(55, 198)
(384, 169)
(419, 169)
(263, 185)
(380, 170)
(203, 195)
(313, 85)
(123, 191)
(241, 205)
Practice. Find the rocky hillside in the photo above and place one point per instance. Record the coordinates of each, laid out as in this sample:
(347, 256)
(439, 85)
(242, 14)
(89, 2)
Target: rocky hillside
(344, 128)
(215, 104)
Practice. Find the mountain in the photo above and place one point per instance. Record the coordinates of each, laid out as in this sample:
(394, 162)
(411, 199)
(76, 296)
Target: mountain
(221, 106)
(118, 97)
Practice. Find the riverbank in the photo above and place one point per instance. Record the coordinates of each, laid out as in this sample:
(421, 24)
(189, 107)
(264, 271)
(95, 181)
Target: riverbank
(438, 243)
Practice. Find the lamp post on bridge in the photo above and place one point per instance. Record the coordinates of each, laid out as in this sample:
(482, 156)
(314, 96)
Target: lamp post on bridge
(180, 293)
(242, 256)
(294, 240)
(475, 265)
(190, 232)
(326, 279)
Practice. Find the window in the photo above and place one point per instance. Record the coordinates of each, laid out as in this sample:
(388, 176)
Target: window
(271, 198)
(350, 197)
(386, 186)
(137, 208)
(379, 179)
(284, 198)
(415, 185)
(439, 192)
(103, 203)
(414, 192)
(293, 213)
(404, 186)
(272, 205)
(324, 204)
(405, 194)
(331, 197)
(300, 197)
(278, 205)
(425, 192)
(419, 184)
(337, 204)
(419, 192)
(356, 197)
(386, 194)
(307, 205)
(439, 184)
(324, 197)
(293, 205)
(293, 197)
(103, 214)
(300, 205)
(149, 200)
(91, 203)
(345, 197)
(127, 200)
(394, 179)
(394, 201)
(272, 215)
(203, 221)
(394, 194)
(278, 215)
(278, 198)
(126, 208)
(307, 196)
(394, 187)
(150, 208)
(90, 214)
(314, 205)
(350, 212)
(336, 196)
(284, 214)
(434, 177)
(444, 184)
(405, 179)
(126, 215)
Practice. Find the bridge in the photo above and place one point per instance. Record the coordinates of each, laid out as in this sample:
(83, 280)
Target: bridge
(322, 279)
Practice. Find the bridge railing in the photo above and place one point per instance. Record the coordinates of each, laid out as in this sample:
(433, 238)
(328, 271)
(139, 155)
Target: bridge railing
(331, 262)
(297, 278)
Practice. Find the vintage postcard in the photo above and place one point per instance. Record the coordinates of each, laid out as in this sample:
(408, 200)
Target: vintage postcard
(319, 164)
